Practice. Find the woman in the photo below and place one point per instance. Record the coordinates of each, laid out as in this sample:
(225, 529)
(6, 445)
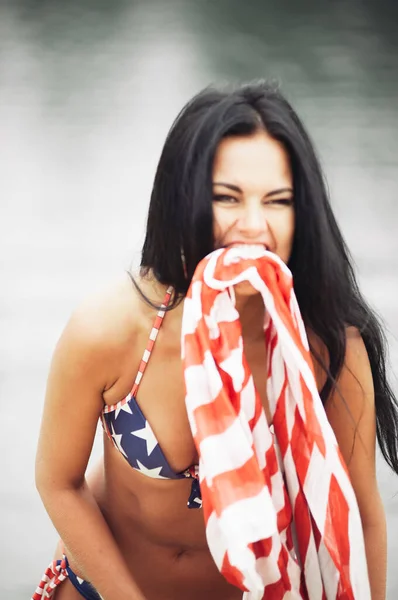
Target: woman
(237, 168)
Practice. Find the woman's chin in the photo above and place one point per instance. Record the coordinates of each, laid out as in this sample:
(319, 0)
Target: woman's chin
(245, 289)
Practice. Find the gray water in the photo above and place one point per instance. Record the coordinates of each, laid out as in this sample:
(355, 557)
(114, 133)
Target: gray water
(88, 91)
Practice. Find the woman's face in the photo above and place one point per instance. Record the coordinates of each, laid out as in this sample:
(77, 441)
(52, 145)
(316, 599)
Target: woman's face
(253, 194)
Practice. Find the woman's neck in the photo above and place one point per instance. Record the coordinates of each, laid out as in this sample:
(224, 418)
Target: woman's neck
(249, 306)
(251, 315)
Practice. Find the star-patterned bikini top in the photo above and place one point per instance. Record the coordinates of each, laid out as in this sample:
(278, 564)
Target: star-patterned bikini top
(131, 434)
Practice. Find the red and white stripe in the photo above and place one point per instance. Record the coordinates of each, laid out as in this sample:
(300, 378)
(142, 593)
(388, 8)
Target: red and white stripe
(54, 575)
(292, 535)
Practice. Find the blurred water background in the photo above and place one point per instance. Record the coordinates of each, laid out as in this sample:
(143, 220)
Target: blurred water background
(88, 91)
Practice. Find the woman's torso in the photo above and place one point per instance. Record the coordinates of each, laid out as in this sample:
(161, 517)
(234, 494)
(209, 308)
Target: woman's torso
(162, 540)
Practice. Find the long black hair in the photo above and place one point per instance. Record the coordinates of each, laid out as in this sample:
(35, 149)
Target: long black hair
(180, 229)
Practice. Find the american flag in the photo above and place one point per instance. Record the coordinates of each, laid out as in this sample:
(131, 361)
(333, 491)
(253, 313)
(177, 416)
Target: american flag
(277, 533)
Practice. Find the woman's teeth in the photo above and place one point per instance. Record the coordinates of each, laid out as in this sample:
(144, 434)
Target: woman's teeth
(253, 246)
(250, 250)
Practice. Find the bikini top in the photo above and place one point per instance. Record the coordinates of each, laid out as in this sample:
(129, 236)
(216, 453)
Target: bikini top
(131, 434)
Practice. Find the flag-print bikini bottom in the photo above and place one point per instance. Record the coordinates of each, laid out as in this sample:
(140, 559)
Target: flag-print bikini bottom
(57, 572)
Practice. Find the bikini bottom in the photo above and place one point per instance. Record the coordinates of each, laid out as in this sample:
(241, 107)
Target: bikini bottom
(57, 572)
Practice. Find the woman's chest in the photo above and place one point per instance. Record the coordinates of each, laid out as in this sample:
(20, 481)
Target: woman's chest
(161, 397)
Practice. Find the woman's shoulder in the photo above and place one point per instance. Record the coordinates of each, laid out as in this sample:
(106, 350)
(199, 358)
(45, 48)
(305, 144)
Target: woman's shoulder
(94, 347)
(109, 319)
(102, 329)
(355, 349)
(107, 315)
(353, 339)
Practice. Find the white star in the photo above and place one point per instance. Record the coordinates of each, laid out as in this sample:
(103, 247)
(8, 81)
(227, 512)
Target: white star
(150, 472)
(147, 435)
(125, 407)
(118, 440)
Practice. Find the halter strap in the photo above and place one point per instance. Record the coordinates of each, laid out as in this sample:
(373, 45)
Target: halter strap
(151, 341)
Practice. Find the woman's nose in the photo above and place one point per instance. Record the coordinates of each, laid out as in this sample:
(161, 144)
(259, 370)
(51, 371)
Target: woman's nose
(252, 222)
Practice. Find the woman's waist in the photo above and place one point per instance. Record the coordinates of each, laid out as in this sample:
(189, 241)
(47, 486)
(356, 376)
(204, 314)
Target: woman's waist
(161, 518)
(163, 542)
(137, 506)
(167, 552)
(176, 571)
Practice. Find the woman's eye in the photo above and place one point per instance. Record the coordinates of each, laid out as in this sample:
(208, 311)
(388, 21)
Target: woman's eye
(224, 198)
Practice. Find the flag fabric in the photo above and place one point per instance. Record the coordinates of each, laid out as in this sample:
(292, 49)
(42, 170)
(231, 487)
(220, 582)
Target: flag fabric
(276, 531)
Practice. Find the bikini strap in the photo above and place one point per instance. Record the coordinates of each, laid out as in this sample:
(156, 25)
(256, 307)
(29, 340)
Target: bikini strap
(152, 338)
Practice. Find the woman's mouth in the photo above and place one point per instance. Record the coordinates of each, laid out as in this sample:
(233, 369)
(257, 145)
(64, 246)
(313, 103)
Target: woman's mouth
(248, 250)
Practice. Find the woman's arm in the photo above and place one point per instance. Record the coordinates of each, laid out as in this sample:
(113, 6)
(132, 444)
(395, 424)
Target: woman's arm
(351, 413)
(82, 368)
